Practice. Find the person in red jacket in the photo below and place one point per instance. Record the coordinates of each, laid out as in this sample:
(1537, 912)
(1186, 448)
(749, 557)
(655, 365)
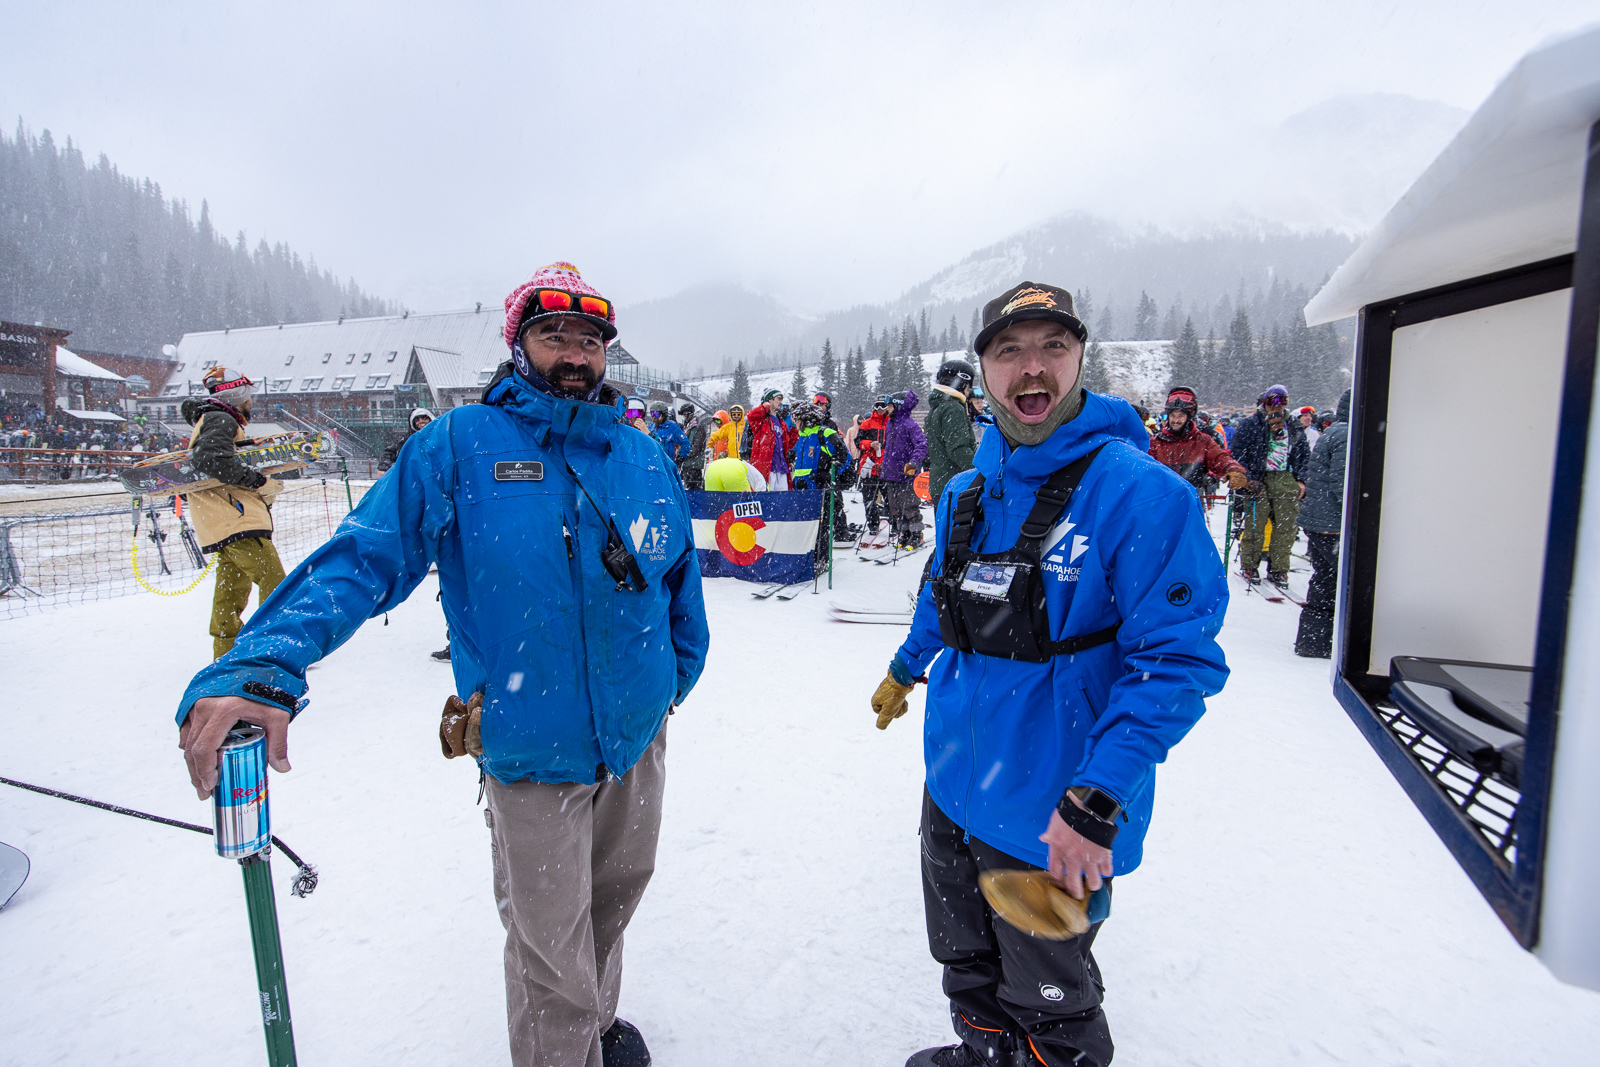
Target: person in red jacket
(1194, 455)
(772, 439)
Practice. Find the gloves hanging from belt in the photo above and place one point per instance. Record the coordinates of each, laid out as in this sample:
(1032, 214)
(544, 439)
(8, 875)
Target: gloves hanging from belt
(460, 727)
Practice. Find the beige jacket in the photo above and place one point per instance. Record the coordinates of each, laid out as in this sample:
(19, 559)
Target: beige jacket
(229, 513)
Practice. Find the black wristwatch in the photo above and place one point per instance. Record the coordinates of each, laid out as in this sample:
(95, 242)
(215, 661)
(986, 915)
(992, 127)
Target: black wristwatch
(1096, 820)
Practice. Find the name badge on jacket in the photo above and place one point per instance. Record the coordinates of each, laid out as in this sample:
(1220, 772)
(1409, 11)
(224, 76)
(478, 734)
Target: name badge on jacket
(519, 470)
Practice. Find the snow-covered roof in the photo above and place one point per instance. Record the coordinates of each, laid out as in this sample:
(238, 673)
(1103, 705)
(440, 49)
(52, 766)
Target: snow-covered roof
(1504, 193)
(72, 365)
(452, 344)
(91, 416)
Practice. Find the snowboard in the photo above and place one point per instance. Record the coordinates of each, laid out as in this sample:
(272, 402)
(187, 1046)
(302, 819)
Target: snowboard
(13, 872)
(173, 472)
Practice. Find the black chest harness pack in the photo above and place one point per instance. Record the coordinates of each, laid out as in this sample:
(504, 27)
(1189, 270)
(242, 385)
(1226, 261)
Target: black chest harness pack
(994, 603)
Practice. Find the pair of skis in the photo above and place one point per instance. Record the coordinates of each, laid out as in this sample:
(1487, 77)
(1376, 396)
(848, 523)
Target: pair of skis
(866, 613)
(782, 590)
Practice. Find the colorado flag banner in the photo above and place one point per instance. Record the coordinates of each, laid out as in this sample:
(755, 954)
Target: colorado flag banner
(759, 537)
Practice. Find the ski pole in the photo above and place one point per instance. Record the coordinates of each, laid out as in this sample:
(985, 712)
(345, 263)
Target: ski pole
(1227, 537)
(830, 530)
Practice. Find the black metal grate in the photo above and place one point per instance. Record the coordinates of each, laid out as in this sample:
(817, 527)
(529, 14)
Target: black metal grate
(1488, 804)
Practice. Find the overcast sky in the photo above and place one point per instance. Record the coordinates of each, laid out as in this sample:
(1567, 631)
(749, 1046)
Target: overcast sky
(827, 153)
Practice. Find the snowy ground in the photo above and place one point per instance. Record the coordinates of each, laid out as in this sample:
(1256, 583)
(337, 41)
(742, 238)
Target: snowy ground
(1292, 908)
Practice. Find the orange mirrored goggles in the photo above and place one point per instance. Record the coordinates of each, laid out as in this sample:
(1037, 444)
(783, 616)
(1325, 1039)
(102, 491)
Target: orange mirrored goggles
(559, 300)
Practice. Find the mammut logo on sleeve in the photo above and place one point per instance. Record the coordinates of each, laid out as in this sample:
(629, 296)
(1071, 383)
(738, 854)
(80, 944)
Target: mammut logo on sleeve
(519, 470)
(1178, 594)
(1050, 992)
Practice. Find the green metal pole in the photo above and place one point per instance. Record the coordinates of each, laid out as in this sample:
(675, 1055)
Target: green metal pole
(830, 530)
(269, 959)
(1227, 538)
(344, 472)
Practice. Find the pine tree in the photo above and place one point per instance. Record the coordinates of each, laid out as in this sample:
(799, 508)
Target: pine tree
(797, 385)
(1186, 365)
(1236, 363)
(1083, 306)
(888, 374)
(977, 325)
(1169, 325)
(1144, 318)
(828, 369)
(1105, 326)
(1096, 378)
(854, 396)
(739, 390)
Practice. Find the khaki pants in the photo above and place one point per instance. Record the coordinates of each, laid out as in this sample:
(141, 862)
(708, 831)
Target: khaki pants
(247, 562)
(570, 865)
(1280, 502)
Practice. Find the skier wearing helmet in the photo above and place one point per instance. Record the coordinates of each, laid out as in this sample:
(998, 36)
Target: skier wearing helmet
(692, 467)
(951, 441)
(1194, 455)
(665, 429)
(556, 529)
(1272, 448)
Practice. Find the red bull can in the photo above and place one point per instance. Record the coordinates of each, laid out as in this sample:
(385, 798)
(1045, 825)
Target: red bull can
(239, 812)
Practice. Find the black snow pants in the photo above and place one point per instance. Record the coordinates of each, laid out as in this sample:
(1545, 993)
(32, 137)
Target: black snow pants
(1315, 638)
(870, 487)
(905, 511)
(1008, 991)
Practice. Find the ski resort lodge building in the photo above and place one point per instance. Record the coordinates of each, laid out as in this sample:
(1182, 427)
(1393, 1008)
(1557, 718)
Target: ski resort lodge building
(352, 374)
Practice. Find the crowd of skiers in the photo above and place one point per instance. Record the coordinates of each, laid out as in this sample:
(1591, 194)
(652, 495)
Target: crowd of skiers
(779, 445)
(1285, 473)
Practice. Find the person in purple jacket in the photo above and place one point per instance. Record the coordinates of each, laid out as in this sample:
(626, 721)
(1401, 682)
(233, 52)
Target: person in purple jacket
(904, 449)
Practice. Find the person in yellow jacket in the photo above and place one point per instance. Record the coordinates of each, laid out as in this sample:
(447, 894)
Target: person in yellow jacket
(233, 520)
(725, 442)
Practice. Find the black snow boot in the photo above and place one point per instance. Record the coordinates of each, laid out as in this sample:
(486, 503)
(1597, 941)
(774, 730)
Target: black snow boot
(443, 655)
(623, 1046)
(965, 1055)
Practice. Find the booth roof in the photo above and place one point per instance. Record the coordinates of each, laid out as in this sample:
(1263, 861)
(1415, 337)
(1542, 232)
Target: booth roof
(73, 365)
(1504, 193)
(92, 416)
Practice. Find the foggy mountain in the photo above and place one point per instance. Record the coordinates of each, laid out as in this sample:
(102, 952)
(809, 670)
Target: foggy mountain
(1325, 174)
(109, 257)
(1206, 278)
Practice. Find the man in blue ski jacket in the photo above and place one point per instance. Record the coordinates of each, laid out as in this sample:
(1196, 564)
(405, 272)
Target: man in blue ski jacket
(571, 587)
(1076, 597)
(665, 429)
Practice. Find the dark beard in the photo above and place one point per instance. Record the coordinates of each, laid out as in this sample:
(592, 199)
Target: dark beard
(575, 392)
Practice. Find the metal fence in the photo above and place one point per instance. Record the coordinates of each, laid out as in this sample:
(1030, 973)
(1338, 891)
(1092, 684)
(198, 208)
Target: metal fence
(70, 557)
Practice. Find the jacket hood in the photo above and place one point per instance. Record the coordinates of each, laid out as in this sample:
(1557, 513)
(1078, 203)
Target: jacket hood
(904, 410)
(1102, 420)
(939, 398)
(196, 406)
(1342, 412)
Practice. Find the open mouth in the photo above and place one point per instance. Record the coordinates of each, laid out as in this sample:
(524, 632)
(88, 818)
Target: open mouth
(1033, 405)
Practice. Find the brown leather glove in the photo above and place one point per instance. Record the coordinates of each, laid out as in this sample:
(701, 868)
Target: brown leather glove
(460, 727)
(1237, 479)
(890, 701)
(911, 470)
(1034, 904)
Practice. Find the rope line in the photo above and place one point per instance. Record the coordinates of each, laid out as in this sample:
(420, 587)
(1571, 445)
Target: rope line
(303, 883)
(133, 558)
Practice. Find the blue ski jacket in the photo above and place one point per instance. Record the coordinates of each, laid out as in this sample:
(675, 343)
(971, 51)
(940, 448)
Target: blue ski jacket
(674, 442)
(818, 450)
(577, 675)
(1003, 738)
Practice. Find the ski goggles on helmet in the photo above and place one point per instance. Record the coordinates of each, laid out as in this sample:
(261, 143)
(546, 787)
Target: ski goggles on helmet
(1182, 400)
